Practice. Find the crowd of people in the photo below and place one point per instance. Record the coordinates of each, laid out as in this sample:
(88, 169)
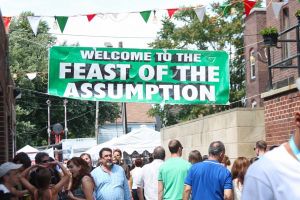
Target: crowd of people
(270, 175)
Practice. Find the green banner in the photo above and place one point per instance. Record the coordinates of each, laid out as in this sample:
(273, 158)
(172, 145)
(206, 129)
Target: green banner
(139, 75)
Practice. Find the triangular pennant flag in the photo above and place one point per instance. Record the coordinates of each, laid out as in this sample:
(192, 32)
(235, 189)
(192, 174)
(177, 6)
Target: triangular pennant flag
(248, 5)
(145, 15)
(31, 76)
(62, 21)
(90, 17)
(277, 7)
(6, 21)
(55, 25)
(171, 11)
(115, 15)
(34, 23)
(200, 13)
(226, 8)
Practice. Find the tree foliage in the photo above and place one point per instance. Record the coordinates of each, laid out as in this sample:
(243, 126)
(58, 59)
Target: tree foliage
(29, 53)
(218, 31)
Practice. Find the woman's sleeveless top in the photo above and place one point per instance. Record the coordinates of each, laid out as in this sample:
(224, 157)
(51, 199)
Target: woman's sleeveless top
(78, 192)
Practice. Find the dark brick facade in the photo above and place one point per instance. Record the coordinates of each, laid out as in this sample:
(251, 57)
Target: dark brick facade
(279, 116)
(254, 22)
(281, 102)
(7, 108)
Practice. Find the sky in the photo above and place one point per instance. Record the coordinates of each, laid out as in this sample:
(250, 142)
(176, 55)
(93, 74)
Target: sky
(127, 27)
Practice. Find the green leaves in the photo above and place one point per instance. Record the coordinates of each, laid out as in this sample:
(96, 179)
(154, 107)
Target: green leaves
(29, 53)
(218, 31)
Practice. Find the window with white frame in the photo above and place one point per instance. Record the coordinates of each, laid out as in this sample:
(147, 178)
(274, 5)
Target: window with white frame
(285, 24)
(252, 65)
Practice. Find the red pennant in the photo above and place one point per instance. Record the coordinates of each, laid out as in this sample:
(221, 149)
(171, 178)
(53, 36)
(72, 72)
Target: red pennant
(172, 11)
(6, 21)
(90, 17)
(248, 5)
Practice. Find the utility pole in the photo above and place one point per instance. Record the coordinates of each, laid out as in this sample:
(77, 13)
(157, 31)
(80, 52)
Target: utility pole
(66, 126)
(48, 129)
(124, 118)
(96, 121)
(106, 44)
(124, 112)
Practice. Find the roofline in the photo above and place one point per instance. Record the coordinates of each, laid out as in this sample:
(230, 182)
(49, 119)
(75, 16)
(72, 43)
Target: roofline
(258, 9)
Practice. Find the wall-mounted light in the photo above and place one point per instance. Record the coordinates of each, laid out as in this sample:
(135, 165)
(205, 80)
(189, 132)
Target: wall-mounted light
(252, 59)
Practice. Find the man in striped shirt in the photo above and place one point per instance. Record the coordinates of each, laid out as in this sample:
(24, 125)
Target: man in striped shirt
(110, 180)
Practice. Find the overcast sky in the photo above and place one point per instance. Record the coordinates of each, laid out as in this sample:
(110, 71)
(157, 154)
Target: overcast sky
(129, 28)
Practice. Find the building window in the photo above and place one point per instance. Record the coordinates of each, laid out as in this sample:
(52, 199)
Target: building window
(252, 64)
(285, 24)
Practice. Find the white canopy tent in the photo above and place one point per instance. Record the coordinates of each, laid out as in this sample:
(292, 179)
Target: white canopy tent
(138, 140)
(30, 151)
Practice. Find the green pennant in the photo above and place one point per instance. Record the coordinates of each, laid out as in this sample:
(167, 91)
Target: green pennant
(226, 9)
(146, 15)
(62, 21)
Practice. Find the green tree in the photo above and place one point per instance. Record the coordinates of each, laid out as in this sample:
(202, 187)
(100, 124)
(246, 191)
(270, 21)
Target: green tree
(29, 53)
(218, 31)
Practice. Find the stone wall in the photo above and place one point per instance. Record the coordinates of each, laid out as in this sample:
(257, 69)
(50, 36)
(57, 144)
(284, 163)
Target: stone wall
(238, 128)
(255, 86)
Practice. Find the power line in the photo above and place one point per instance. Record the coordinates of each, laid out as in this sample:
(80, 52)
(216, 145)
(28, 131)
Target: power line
(105, 36)
(35, 131)
(34, 91)
(80, 115)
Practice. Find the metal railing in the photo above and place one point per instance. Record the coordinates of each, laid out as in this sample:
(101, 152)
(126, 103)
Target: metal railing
(289, 59)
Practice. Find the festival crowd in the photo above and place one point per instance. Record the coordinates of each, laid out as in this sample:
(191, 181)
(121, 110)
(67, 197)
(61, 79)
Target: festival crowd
(271, 175)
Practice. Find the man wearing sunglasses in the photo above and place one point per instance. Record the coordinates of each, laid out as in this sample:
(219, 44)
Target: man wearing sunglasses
(43, 158)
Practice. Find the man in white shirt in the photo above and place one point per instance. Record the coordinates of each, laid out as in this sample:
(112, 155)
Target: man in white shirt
(147, 183)
(135, 176)
(276, 175)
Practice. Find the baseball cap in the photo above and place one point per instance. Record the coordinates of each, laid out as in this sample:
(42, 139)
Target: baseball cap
(6, 167)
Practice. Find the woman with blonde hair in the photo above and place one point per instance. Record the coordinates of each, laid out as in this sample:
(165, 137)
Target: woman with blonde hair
(238, 172)
(82, 184)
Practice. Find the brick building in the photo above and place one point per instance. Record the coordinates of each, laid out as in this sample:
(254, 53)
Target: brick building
(273, 89)
(7, 102)
(136, 116)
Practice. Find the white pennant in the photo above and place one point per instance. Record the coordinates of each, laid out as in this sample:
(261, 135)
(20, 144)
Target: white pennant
(277, 7)
(34, 23)
(31, 76)
(200, 13)
(115, 15)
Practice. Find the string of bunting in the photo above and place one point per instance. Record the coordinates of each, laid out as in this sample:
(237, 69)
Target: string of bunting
(199, 10)
(62, 20)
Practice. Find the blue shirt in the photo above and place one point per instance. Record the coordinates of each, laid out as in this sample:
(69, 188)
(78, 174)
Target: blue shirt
(113, 186)
(208, 180)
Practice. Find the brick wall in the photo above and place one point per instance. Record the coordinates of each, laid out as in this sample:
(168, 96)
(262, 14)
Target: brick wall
(254, 22)
(279, 117)
(3, 149)
(7, 117)
(281, 102)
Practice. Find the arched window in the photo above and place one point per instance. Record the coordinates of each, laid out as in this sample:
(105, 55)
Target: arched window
(252, 64)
